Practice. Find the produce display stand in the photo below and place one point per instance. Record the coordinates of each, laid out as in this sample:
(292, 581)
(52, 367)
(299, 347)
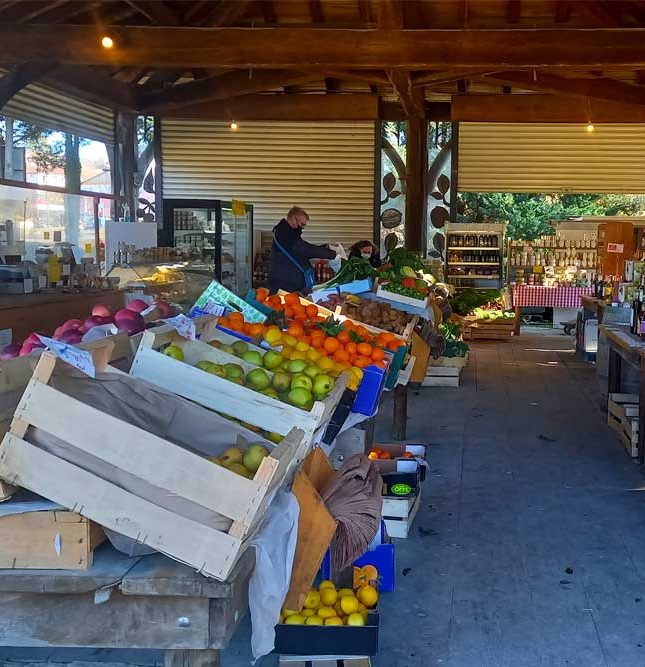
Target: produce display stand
(168, 489)
(188, 616)
(227, 397)
(622, 417)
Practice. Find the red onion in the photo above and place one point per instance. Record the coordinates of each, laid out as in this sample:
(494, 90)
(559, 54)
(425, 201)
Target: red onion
(71, 324)
(101, 310)
(137, 305)
(71, 337)
(165, 309)
(92, 321)
(10, 351)
(133, 324)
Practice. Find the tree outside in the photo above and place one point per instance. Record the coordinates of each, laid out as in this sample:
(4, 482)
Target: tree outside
(531, 215)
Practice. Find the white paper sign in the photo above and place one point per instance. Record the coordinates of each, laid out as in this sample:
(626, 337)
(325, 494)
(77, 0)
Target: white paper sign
(616, 247)
(102, 331)
(183, 325)
(148, 310)
(213, 308)
(74, 356)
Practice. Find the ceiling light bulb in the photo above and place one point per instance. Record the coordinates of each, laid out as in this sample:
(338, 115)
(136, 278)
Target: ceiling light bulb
(590, 127)
(107, 42)
(234, 126)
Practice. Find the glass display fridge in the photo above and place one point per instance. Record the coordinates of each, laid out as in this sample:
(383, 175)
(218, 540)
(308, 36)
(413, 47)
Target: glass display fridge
(217, 233)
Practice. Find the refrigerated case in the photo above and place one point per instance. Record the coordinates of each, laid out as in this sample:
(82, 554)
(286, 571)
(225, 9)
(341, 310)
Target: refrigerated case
(475, 254)
(217, 233)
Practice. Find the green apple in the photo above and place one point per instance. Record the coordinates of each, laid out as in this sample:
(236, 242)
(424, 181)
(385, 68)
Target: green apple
(232, 455)
(253, 357)
(301, 380)
(253, 457)
(274, 437)
(234, 371)
(240, 347)
(258, 379)
(272, 360)
(312, 371)
(270, 391)
(175, 352)
(216, 343)
(239, 381)
(301, 398)
(251, 427)
(240, 469)
(227, 348)
(296, 366)
(281, 381)
(323, 384)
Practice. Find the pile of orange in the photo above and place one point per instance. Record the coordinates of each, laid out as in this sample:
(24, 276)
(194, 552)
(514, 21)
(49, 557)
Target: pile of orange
(235, 322)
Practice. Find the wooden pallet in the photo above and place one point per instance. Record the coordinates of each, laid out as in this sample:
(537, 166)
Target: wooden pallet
(441, 376)
(139, 485)
(223, 396)
(327, 661)
(48, 540)
(399, 513)
(622, 418)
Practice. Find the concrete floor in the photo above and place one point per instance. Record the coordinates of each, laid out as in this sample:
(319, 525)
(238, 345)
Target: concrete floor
(529, 548)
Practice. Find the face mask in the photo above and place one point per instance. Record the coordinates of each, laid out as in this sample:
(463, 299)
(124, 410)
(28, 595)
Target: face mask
(366, 255)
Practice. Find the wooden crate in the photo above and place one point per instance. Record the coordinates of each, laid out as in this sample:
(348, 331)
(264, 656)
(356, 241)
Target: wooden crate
(442, 376)
(485, 329)
(622, 418)
(316, 526)
(171, 496)
(399, 513)
(48, 540)
(227, 397)
(449, 362)
(316, 661)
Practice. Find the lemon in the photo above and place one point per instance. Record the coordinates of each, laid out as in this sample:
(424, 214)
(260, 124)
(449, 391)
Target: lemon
(326, 612)
(334, 620)
(295, 619)
(368, 595)
(287, 351)
(339, 368)
(308, 612)
(325, 364)
(302, 346)
(349, 605)
(313, 356)
(289, 340)
(355, 619)
(298, 354)
(339, 609)
(357, 372)
(326, 584)
(312, 601)
(289, 612)
(345, 591)
(281, 618)
(328, 596)
(273, 336)
(314, 620)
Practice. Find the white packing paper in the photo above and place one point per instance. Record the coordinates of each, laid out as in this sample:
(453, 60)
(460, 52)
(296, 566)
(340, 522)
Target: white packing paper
(275, 547)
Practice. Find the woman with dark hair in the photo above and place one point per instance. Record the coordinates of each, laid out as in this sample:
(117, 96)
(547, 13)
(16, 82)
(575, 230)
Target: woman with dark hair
(367, 250)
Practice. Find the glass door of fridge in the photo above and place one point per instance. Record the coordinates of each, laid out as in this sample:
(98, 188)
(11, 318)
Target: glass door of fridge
(236, 240)
(189, 230)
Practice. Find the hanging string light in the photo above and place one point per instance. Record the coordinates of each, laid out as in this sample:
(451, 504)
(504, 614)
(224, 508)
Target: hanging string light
(590, 128)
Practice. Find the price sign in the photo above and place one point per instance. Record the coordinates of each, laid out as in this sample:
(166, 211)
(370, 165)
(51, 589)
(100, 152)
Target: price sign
(74, 356)
(183, 325)
(538, 269)
(238, 207)
(618, 248)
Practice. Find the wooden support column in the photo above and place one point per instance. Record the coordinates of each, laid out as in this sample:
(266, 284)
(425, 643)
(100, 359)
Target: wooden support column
(416, 168)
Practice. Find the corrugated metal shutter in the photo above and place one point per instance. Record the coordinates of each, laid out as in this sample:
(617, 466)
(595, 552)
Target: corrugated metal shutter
(536, 157)
(327, 168)
(52, 109)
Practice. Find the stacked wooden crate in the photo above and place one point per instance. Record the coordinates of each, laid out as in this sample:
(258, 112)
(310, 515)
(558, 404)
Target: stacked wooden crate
(622, 417)
(444, 372)
(487, 329)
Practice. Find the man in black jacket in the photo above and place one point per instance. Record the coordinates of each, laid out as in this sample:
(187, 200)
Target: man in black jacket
(290, 255)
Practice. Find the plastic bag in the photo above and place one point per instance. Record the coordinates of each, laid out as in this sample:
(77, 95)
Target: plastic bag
(275, 546)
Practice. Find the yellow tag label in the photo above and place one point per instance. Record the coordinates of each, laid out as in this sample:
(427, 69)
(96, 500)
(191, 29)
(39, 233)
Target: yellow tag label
(238, 207)
(88, 248)
(538, 269)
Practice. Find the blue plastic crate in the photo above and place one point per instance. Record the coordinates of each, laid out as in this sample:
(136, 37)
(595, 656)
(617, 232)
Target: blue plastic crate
(382, 558)
(369, 391)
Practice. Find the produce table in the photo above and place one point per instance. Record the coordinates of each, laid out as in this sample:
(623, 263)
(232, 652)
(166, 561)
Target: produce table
(627, 349)
(44, 311)
(120, 602)
(561, 299)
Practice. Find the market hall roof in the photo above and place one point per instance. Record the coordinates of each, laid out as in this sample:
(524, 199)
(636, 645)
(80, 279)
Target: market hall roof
(302, 57)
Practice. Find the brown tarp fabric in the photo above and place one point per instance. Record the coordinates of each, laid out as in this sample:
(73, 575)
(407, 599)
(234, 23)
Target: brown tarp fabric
(354, 499)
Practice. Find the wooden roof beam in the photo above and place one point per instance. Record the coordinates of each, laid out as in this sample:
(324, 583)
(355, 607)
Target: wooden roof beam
(226, 12)
(267, 11)
(540, 109)
(305, 107)
(446, 76)
(44, 8)
(562, 11)
(513, 11)
(599, 13)
(365, 75)
(609, 90)
(276, 48)
(22, 75)
(316, 11)
(233, 84)
(412, 99)
(390, 14)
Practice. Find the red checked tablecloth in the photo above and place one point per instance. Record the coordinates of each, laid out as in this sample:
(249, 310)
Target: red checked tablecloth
(549, 297)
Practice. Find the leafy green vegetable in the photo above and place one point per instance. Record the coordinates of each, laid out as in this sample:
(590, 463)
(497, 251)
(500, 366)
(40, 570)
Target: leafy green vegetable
(465, 301)
(354, 268)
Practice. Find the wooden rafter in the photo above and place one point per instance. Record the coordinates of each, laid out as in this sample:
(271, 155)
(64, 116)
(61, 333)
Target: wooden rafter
(513, 11)
(562, 11)
(275, 48)
(155, 11)
(364, 11)
(390, 14)
(540, 109)
(267, 11)
(411, 98)
(316, 11)
(446, 76)
(226, 12)
(233, 84)
(598, 12)
(44, 8)
(367, 76)
(22, 75)
(606, 89)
